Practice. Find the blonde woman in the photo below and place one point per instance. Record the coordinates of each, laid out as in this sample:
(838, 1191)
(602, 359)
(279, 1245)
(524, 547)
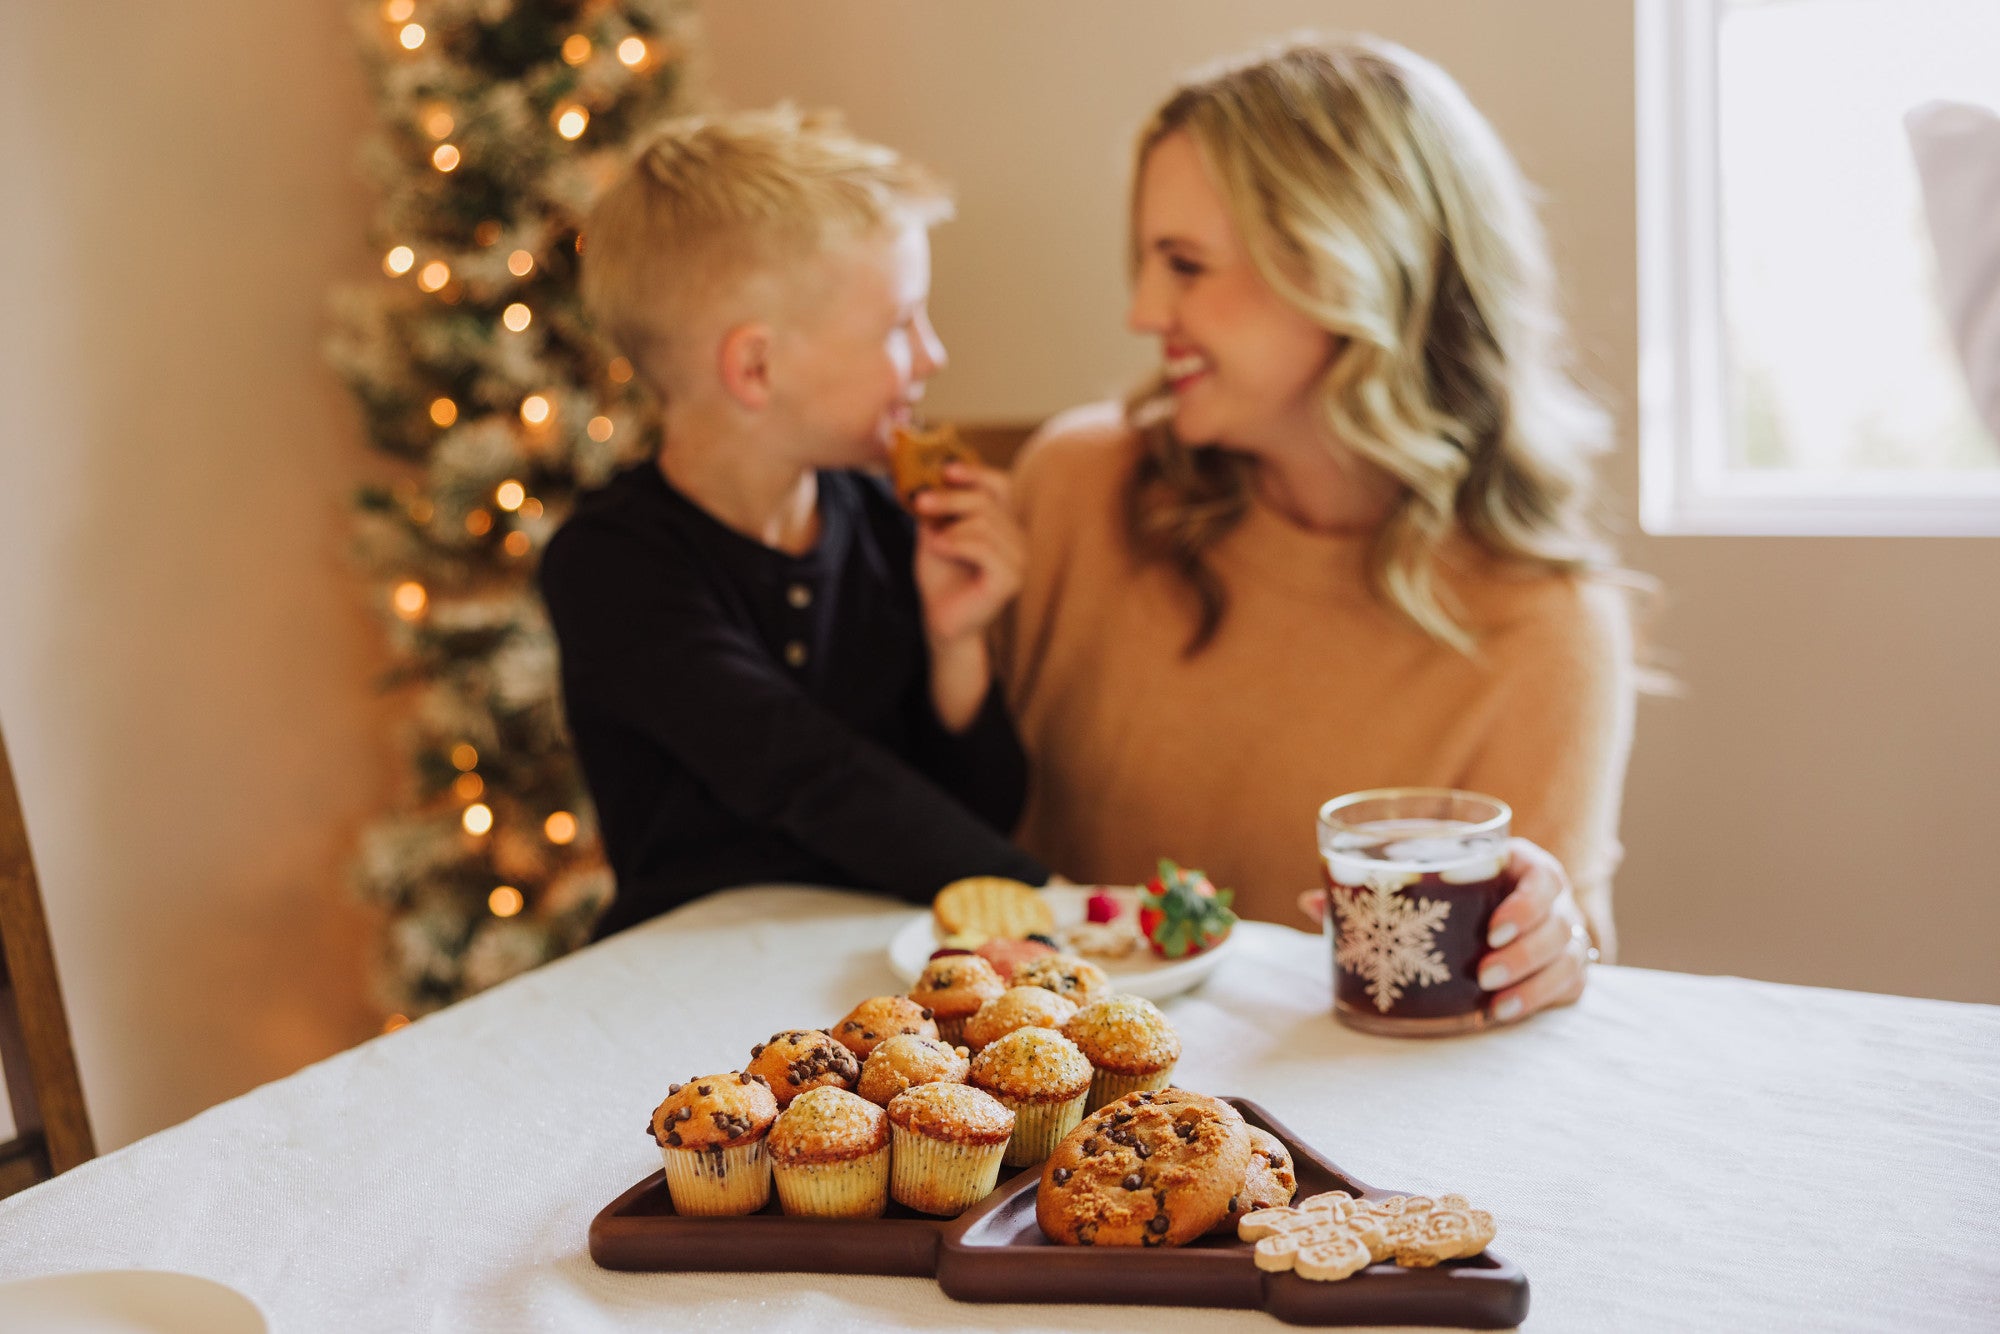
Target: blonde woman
(1341, 543)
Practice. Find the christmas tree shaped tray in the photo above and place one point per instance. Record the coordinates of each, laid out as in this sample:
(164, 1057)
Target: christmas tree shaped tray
(996, 1252)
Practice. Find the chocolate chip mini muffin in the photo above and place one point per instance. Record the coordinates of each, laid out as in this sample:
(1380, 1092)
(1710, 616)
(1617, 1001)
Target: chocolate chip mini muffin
(1039, 1076)
(830, 1155)
(1268, 1183)
(947, 1142)
(803, 1058)
(907, 1060)
(711, 1133)
(1016, 1007)
(1129, 1043)
(1079, 980)
(879, 1018)
(1152, 1169)
(953, 988)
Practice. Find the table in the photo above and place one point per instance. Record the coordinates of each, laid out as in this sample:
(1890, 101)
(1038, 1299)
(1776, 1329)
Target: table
(1675, 1152)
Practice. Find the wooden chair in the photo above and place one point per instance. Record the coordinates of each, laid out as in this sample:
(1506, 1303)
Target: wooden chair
(51, 1126)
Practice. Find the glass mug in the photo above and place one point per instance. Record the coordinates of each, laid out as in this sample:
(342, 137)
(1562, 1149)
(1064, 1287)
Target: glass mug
(1413, 875)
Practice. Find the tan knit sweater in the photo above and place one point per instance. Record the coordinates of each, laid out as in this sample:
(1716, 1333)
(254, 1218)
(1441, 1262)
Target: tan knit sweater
(1310, 689)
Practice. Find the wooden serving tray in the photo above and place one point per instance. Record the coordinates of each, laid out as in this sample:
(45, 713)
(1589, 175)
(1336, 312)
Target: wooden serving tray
(640, 1230)
(996, 1252)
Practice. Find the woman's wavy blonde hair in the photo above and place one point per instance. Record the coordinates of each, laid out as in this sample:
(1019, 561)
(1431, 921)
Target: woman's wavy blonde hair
(1375, 199)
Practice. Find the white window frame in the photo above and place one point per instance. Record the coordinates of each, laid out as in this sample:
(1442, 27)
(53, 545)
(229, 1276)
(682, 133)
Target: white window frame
(1685, 484)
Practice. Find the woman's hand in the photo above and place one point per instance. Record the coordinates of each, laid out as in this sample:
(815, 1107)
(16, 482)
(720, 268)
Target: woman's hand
(1539, 944)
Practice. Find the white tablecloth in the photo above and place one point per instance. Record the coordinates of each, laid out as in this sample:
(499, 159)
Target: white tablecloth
(1674, 1153)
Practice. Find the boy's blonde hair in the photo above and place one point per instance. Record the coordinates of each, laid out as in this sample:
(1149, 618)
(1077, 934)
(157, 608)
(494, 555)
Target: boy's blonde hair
(1377, 201)
(714, 199)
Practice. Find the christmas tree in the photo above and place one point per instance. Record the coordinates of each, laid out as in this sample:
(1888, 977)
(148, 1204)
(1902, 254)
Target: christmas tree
(494, 403)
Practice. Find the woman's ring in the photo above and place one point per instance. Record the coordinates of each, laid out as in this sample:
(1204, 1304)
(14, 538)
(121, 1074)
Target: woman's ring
(1578, 932)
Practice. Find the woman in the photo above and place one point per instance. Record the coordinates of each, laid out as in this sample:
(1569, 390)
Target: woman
(1341, 542)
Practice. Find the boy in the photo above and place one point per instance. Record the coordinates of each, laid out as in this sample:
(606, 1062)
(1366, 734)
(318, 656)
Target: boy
(769, 674)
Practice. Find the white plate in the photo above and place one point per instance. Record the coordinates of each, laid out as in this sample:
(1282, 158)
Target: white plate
(127, 1301)
(1141, 974)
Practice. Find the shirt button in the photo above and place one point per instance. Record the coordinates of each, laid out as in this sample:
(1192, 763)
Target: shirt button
(795, 654)
(799, 596)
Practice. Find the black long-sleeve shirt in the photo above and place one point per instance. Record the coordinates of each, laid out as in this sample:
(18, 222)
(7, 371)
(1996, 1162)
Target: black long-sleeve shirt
(746, 715)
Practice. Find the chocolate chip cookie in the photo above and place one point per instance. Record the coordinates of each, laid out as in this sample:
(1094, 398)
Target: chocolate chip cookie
(1268, 1183)
(1151, 1169)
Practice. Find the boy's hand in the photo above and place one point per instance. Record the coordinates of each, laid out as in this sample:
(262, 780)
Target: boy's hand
(970, 553)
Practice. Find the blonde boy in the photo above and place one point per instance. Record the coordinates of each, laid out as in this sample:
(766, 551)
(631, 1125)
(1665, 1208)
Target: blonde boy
(771, 673)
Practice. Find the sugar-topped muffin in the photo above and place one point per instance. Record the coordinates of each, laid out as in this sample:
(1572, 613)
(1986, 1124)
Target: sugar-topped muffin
(711, 1135)
(880, 1017)
(1017, 1007)
(798, 1059)
(907, 1060)
(947, 1141)
(953, 988)
(1040, 1076)
(1128, 1042)
(1065, 974)
(830, 1155)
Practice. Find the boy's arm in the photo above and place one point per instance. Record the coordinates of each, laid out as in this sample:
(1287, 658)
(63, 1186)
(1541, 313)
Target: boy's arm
(661, 659)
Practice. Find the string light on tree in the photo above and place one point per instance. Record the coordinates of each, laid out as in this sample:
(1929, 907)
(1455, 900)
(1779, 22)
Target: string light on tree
(510, 495)
(412, 36)
(531, 508)
(399, 11)
(633, 52)
(560, 828)
(620, 371)
(535, 409)
(434, 275)
(438, 123)
(520, 263)
(445, 158)
(505, 900)
(398, 261)
(478, 818)
(599, 429)
(571, 120)
(517, 317)
(465, 757)
(479, 523)
(516, 543)
(467, 787)
(575, 49)
(409, 599)
(443, 411)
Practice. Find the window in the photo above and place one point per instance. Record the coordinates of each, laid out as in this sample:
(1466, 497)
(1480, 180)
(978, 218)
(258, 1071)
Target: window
(1796, 371)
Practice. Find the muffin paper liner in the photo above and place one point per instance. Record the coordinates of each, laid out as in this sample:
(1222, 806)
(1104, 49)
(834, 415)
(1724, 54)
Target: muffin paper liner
(704, 1184)
(935, 1176)
(1039, 1127)
(855, 1188)
(950, 1031)
(1110, 1085)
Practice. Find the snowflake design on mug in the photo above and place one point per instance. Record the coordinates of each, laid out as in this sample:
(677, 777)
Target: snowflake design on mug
(1388, 940)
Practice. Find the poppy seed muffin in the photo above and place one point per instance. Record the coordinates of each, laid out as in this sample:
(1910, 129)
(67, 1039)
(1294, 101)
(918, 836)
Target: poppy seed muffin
(947, 1142)
(798, 1059)
(1078, 980)
(1039, 1076)
(711, 1135)
(1128, 1042)
(907, 1060)
(1016, 1007)
(830, 1155)
(953, 988)
(881, 1017)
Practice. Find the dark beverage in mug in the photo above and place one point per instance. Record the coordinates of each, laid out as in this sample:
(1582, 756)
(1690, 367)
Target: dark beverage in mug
(1413, 876)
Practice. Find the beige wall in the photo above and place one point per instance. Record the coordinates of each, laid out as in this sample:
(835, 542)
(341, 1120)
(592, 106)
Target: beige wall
(1815, 809)
(183, 661)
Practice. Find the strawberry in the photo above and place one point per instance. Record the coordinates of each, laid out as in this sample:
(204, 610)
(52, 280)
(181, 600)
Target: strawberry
(1182, 913)
(1101, 907)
